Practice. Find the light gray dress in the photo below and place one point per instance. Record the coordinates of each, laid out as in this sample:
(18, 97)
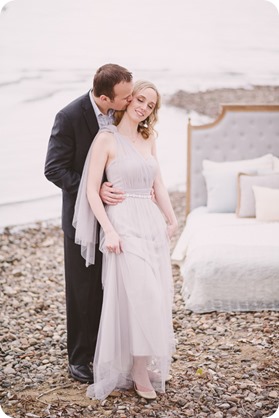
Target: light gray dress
(136, 317)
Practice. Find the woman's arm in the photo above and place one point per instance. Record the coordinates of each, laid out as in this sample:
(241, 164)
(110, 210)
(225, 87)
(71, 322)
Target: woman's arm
(162, 197)
(102, 153)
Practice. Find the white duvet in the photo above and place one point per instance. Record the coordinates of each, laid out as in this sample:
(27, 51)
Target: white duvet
(228, 263)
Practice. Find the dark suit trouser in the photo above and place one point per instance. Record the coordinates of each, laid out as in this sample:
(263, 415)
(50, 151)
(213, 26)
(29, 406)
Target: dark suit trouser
(84, 296)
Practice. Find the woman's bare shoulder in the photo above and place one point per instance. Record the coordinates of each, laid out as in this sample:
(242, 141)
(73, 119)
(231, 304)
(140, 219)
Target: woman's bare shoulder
(104, 138)
(105, 135)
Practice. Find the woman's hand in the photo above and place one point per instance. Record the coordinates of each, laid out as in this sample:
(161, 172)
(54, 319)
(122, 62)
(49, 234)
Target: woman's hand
(111, 195)
(171, 229)
(112, 242)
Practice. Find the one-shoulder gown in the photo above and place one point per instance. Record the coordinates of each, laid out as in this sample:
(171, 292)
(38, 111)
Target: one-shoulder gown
(136, 317)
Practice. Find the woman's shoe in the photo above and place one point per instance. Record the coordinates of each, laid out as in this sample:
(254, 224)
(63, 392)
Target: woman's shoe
(146, 395)
(156, 376)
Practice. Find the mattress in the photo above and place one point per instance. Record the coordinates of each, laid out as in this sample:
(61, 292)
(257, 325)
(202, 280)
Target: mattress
(228, 263)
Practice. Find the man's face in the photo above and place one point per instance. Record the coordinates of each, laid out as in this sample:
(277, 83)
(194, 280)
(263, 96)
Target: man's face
(123, 96)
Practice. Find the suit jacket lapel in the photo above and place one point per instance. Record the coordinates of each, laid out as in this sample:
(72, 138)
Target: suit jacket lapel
(89, 115)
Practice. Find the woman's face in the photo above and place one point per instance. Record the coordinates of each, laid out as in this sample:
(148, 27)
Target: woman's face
(142, 104)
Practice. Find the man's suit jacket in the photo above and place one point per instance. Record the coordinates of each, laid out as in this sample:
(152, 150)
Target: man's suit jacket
(74, 129)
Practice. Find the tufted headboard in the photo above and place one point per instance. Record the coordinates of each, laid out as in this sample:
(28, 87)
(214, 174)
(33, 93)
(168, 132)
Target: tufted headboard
(240, 132)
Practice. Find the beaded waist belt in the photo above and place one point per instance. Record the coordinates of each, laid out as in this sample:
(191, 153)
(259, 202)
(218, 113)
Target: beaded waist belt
(139, 196)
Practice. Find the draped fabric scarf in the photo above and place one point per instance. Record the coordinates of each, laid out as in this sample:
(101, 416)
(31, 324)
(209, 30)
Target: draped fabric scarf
(84, 221)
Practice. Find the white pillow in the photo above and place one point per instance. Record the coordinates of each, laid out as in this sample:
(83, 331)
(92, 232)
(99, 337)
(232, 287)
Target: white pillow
(221, 180)
(221, 186)
(267, 203)
(245, 195)
(264, 162)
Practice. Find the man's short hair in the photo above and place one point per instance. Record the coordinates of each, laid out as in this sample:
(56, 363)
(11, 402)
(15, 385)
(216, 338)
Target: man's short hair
(107, 77)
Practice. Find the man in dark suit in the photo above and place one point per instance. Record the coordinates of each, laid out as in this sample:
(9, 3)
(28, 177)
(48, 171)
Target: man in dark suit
(74, 129)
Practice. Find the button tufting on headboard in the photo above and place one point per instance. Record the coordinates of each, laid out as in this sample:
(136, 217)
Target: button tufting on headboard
(240, 132)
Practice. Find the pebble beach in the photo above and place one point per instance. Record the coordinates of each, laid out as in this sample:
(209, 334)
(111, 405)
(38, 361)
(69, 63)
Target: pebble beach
(225, 364)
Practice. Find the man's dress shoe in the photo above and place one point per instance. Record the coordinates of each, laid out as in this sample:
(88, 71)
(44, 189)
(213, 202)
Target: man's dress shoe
(83, 373)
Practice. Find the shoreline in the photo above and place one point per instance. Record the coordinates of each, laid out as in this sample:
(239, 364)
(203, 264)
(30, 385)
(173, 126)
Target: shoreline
(208, 102)
(202, 103)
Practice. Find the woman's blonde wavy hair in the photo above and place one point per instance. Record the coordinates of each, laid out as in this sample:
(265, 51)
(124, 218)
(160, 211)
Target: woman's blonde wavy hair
(146, 127)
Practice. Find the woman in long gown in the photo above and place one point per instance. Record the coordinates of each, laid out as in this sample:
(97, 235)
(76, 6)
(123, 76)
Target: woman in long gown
(135, 340)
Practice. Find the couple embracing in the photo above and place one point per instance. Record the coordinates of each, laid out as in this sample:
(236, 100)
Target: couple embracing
(117, 221)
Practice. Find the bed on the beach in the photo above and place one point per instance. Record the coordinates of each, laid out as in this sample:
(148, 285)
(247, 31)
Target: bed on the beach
(228, 252)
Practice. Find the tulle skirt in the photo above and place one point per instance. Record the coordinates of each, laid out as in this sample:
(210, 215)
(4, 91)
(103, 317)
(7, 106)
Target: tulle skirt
(136, 320)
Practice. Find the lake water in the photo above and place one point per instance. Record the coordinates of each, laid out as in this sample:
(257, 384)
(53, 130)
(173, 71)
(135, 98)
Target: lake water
(50, 50)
